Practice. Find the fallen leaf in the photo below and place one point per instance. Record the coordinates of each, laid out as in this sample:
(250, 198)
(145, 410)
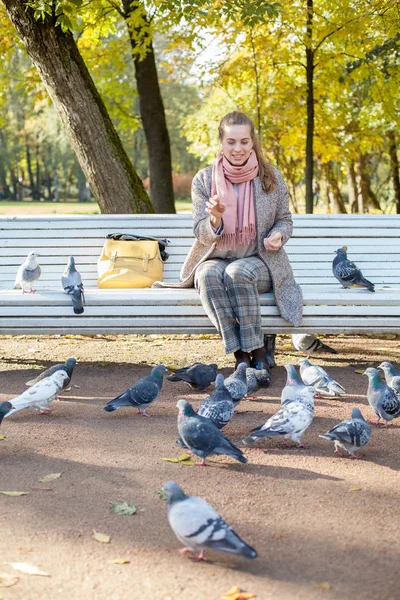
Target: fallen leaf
(78, 387)
(120, 561)
(123, 508)
(237, 594)
(49, 477)
(188, 463)
(2, 437)
(359, 371)
(101, 537)
(354, 489)
(184, 457)
(277, 536)
(14, 493)
(162, 494)
(174, 460)
(40, 489)
(28, 569)
(322, 584)
(8, 580)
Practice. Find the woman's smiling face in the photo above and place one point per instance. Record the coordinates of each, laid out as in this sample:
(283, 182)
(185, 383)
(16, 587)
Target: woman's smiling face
(237, 143)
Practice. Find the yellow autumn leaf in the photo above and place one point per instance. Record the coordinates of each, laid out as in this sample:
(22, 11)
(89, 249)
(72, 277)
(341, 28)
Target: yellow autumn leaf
(49, 477)
(104, 538)
(184, 457)
(355, 489)
(173, 460)
(2, 437)
(120, 561)
(28, 569)
(359, 371)
(14, 493)
(188, 463)
(322, 584)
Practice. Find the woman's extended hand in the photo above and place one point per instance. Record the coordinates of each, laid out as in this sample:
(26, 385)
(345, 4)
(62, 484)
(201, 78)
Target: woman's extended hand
(273, 242)
(216, 209)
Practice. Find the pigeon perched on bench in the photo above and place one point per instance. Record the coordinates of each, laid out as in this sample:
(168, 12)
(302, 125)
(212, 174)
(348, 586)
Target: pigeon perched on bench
(197, 525)
(71, 281)
(28, 273)
(308, 343)
(351, 434)
(347, 273)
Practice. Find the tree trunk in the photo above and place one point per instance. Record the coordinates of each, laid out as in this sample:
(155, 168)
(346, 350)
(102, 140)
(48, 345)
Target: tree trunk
(367, 194)
(99, 150)
(337, 198)
(153, 116)
(394, 169)
(310, 110)
(353, 187)
(34, 191)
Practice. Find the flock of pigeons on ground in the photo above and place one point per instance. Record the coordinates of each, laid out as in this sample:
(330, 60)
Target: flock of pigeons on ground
(195, 523)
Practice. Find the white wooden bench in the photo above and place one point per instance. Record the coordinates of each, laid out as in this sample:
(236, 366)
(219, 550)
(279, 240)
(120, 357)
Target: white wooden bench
(373, 243)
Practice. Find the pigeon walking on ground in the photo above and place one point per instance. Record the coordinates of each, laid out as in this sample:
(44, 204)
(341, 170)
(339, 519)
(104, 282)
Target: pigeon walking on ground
(218, 406)
(71, 281)
(347, 272)
(142, 393)
(389, 371)
(322, 383)
(289, 422)
(236, 383)
(28, 273)
(293, 386)
(68, 367)
(40, 395)
(256, 379)
(308, 343)
(202, 437)
(351, 434)
(382, 398)
(5, 408)
(199, 527)
(199, 376)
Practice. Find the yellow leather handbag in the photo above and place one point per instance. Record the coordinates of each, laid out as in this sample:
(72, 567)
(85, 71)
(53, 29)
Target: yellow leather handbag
(124, 263)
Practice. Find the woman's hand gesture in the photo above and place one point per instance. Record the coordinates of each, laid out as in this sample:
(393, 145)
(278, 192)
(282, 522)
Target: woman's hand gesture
(273, 242)
(216, 209)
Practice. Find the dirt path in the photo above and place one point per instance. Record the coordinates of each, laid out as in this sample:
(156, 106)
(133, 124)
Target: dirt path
(316, 538)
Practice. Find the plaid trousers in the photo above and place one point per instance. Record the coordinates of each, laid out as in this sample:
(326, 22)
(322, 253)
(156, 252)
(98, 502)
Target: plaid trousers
(229, 291)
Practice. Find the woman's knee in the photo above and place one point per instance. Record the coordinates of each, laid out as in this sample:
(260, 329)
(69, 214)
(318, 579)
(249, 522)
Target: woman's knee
(209, 273)
(238, 273)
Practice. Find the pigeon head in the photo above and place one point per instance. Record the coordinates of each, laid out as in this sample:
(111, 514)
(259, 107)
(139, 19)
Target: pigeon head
(173, 492)
(356, 414)
(386, 366)
(70, 364)
(185, 409)
(292, 376)
(373, 375)
(241, 368)
(219, 382)
(71, 263)
(5, 407)
(342, 251)
(31, 259)
(159, 371)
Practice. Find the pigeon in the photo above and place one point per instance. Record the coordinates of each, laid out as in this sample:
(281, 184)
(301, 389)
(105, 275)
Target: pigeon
(350, 434)
(289, 422)
(40, 395)
(218, 407)
(382, 399)
(71, 281)
(309, 343)
(199, 376)
(347, 273)
(5, 408)
(236, 384)
(389, 371)
(142, 393)
(68, 367)
(316, 376)
(199, 527)
(255, 379)
(293, 385)
(202, 437)
(27, 274)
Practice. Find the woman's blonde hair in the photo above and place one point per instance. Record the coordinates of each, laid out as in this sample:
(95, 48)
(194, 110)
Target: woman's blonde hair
(266, 170)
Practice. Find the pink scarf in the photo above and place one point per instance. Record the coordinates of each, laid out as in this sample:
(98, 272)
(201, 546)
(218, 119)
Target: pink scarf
(239, 217)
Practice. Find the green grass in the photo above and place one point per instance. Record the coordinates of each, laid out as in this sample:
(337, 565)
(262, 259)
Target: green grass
(67, 208)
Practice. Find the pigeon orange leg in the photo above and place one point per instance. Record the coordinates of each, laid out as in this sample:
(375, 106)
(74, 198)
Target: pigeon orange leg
(199, 557)
(201, 464)
(184, 550)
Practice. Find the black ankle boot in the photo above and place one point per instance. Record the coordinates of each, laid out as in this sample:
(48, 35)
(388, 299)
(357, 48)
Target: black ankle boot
(242, 357)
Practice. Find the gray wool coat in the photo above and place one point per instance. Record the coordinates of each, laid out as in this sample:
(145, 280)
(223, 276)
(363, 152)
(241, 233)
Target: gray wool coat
(272, 214)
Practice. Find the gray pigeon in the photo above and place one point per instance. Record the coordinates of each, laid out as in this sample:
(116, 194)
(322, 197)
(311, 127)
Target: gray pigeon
(350, 434)
(199, 527)
(316, 376)
(236, 384)
(347, 273)
(202, 437)
(389, 371)
(289, 422)
(309, 343)
(71, 281)
(142, 393)
(255, 379)
(5, 408)
(199, 376)
(293, 386)
(68, 367)
(218, 406)
(383, 399)
(28, 273)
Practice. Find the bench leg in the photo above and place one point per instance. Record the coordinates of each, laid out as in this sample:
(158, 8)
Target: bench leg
(269, 344)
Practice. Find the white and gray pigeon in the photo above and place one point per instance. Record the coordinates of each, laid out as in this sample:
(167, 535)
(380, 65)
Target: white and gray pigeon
(68, 367)
(71, 281)
(199, 527)
(5, 408)
(218, 406)
(142, 393)
(289, 422)
(383, 399)
(293, 386)
(256, 379)
(28, 273)
(308, 343)
(236, 383)
(347, 272)
(39, 395)
(202, 437)
(199, 376)
(323, 384)
(389, 370)
(351, 434)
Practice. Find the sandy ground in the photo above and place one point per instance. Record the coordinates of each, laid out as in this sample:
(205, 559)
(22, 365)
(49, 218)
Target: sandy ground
(325, 527)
